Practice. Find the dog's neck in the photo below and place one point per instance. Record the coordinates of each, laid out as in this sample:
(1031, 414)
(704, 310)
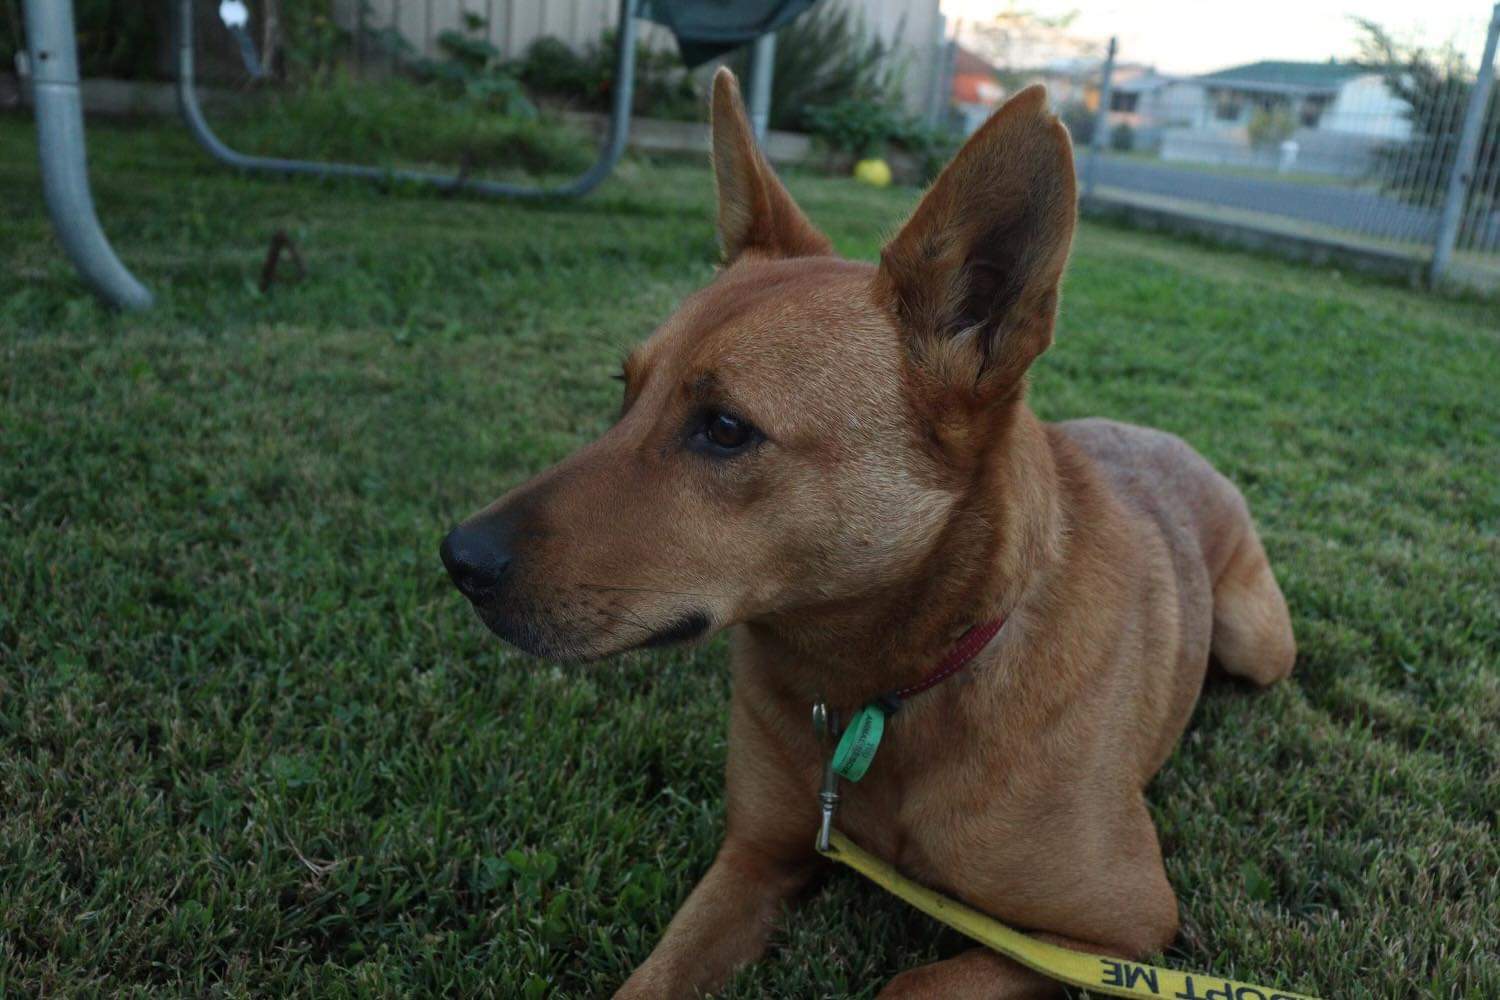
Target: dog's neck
(1001, 538)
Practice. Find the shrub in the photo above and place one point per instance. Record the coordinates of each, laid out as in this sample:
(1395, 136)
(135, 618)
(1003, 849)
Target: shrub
(932, 145)
(1122, 138)
(402, 121)
(825, 58)
(551, 67)
(464, 106)
(1434, 85)
(1080, 121)
(132, 41)
(1270, 126)
(311, 42)
(860, 128)
(864, 129)
(471, 69)
(663, 86)
(119, 40)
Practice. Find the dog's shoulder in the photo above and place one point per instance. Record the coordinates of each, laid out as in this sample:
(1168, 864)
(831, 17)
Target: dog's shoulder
(1162, 476)
(1127, 451)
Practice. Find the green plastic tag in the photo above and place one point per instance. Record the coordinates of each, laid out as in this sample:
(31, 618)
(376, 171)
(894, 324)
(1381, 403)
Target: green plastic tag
(851, 758)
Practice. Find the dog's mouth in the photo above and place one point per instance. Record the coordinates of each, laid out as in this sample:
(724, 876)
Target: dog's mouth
(687, 627)
(610, 634)
(545, 617)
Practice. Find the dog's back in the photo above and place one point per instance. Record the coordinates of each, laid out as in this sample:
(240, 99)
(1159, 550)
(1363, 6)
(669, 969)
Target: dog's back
(1225, 586)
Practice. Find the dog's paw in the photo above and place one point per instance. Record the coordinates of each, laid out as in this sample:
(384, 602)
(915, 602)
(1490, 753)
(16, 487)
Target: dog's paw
(976, 973)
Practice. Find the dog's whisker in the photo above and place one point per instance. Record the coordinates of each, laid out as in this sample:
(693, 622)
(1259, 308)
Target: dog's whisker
(620, 614)
(650, 590)
(625, 614)
(625, 621)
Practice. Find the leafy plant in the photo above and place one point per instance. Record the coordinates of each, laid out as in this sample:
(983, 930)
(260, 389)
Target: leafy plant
(1435, 86)
(550, 66)
(119, 40)
(1081, 121)
(860, 128)
(663, 86)
(1270, 126)
(311, 41)
(1122, 138)
(471, 69)
(824, 58)
(865, 129)
(399, 121)
(932, 145)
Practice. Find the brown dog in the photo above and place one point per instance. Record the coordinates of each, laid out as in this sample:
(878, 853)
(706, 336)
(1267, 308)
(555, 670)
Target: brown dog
(838, 460)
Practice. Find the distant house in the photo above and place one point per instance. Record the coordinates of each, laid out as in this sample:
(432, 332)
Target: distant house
(1070, 80)
(1150, 102)
(1074, 80)
(977, 91)
(1329, 96)
(1320, 117)
(1150, 98)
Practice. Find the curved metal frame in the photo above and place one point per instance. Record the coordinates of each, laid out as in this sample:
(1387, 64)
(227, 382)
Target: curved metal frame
(609, 154)
(52, 50)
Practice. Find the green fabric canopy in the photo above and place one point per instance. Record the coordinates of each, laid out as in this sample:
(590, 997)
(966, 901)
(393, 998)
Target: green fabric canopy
(706, 29)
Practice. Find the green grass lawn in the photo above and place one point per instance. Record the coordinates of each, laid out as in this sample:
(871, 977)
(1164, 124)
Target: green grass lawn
(251, 741)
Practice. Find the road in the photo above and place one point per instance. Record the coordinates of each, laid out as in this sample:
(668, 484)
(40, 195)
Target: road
(1349, 208)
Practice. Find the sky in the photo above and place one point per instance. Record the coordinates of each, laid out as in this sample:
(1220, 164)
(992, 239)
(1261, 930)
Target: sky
(1194, 37)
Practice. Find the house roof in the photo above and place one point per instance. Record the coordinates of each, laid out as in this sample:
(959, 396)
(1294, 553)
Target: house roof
(1142, 82)
(1270, 74)
(967, 61)
(1074, 67)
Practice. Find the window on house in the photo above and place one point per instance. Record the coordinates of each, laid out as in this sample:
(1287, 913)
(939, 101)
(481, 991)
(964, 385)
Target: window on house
(1227, 108)
(1312, 111)
(1124, 102)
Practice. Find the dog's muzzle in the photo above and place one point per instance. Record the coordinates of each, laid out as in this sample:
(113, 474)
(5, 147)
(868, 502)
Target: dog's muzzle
(477, 555)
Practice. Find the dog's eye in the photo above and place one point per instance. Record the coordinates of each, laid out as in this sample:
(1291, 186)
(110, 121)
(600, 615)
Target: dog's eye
(727, 432)
(723, 434)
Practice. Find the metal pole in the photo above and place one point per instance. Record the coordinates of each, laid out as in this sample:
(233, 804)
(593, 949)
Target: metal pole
(52, 51)
(945, 85)
(939, 70)
(1463, 164)
(1101, 120)
(609, 153)
(762, 68)
(359, 38)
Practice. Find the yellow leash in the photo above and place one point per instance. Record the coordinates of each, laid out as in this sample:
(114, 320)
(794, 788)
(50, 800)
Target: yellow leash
(1093, 972)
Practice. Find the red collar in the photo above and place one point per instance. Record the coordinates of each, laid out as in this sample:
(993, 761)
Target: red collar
(968, 646)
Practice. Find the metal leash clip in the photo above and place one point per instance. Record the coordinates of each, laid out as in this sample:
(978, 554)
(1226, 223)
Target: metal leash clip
(825, 724)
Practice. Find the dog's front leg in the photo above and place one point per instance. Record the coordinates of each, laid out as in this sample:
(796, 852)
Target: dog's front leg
(976, 974)
(724, 923)
(766, 857)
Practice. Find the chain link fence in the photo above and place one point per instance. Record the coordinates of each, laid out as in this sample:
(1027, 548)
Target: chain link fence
(1397, 154)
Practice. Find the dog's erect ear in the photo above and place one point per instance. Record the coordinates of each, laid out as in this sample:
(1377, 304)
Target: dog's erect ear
(972, 278)
(756, 215)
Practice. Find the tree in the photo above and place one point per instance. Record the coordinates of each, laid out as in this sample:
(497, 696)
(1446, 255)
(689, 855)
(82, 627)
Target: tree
(1435, 86)
(1016, 38)
(825, 57)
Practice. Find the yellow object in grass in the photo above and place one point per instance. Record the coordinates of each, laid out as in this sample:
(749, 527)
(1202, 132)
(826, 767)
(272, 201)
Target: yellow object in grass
(874, 172)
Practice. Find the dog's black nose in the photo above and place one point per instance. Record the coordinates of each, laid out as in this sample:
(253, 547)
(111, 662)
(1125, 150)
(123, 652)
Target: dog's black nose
(477, 555)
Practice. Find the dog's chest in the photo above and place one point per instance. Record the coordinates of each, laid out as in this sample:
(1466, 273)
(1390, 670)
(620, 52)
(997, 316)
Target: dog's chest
(925, 821)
